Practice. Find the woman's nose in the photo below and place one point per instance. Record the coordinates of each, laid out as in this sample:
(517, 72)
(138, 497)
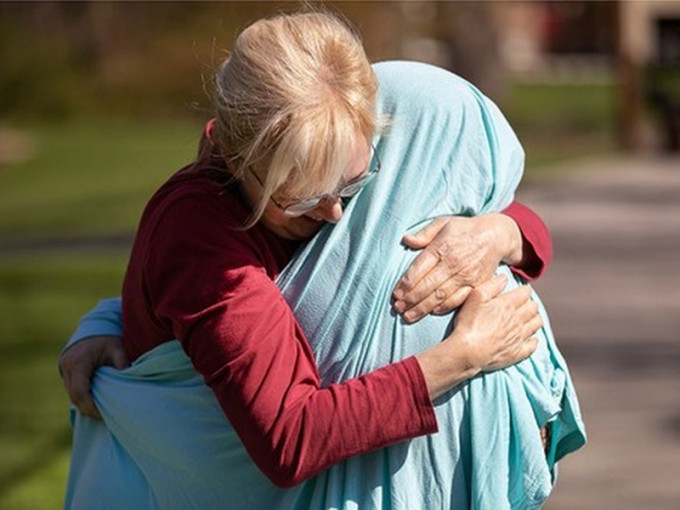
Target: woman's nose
(330, 210)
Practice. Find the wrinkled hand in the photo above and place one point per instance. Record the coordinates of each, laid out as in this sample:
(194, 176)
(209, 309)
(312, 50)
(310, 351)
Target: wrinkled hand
(458, 255)
(497, 329)
(78, 363)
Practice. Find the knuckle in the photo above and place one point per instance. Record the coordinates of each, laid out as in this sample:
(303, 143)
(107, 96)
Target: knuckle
(441, 294)
(452, 260)
(78, 398)
(406, 281)
(442, 309)
(409, 301)
(478, 293)
(533, 343)
(428, 258)
(427, 287)
(452, 303)
(441, 249)
(420, 310)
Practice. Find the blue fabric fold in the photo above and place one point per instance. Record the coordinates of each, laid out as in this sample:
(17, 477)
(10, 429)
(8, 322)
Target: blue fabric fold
(446, 149)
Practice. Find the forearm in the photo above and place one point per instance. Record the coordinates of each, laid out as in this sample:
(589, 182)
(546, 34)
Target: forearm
(315, 428)
(445, 366)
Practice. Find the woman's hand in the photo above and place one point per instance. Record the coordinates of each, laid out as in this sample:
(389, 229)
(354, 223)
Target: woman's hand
(492, 331)
(458, 255)
(78, 363)
(497, 329)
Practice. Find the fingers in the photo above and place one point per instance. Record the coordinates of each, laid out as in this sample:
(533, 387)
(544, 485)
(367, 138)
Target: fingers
(447, 297)
(421, 266)
(533, 326)
(78, 363)
(436, 254)
(434, 289)
(489, 289)
(77, 382)
(456, 299)
(115, 354)
(119, 360)
(425, 235)
(527, 311)
(529, 331)
(529, 347)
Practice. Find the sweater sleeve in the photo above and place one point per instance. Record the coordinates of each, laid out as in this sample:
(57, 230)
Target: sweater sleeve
(209, 285)
(103, 319)
(538, 247)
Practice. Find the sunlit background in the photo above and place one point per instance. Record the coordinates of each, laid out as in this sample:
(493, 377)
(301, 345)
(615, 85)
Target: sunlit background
(100, 102)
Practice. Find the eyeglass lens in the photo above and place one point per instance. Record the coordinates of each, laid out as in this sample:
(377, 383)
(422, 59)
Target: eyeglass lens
(348, 191)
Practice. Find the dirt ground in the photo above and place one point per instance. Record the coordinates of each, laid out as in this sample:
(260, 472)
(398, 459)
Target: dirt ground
(613, 295)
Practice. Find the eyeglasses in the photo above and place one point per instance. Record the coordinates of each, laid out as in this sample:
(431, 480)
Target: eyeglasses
(349, 190)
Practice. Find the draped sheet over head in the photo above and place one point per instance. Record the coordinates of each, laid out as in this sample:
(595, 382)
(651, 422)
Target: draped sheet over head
(446, 150)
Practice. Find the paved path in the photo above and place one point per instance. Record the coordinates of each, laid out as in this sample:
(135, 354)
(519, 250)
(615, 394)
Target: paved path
(613, 294)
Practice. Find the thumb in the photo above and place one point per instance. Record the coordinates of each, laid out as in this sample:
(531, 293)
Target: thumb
(112, 352)
(119, 360)
(425, 235)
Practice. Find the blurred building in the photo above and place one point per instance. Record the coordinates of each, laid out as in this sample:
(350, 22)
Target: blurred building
(532, 40)
(634, 44)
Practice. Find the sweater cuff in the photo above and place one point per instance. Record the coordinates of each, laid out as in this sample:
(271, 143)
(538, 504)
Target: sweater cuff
(103, 320)
(421, 396)
(538, 248)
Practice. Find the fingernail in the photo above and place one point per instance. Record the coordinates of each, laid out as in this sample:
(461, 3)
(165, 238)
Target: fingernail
(409, 316)
(399, 306)
(398, 294)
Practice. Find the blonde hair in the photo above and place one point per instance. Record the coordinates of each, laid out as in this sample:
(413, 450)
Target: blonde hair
(291, 100)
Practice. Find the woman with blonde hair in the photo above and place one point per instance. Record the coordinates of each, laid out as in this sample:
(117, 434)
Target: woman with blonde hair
(202, 303)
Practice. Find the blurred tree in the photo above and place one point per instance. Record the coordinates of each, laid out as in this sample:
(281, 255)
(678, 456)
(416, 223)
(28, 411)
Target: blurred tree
(155, 58)
(136, 58)
(470, 35)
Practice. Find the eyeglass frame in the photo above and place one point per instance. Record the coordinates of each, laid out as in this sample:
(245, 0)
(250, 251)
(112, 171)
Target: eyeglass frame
(302, 207)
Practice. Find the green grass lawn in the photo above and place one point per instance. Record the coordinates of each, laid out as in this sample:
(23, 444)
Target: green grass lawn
(90, 177)
(558, 122)
(41, 298)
